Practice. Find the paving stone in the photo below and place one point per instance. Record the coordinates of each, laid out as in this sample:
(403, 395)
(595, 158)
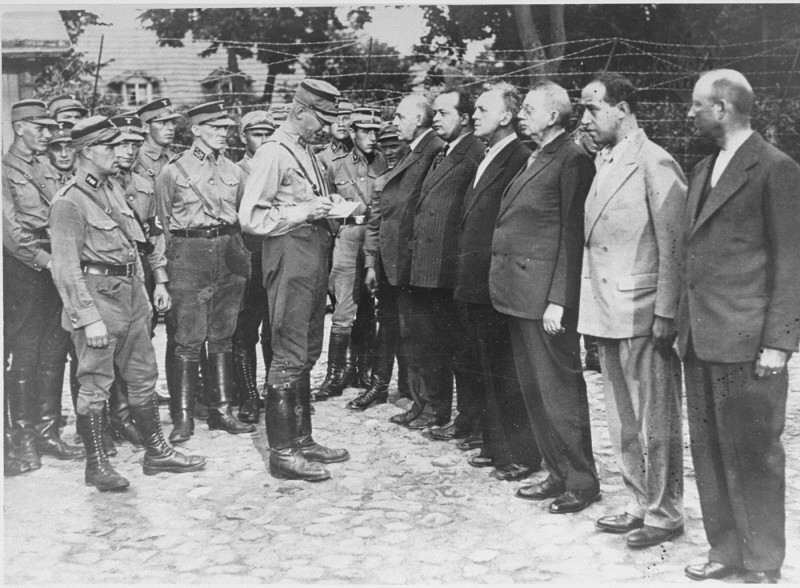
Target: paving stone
(306, 573)
(483, 555)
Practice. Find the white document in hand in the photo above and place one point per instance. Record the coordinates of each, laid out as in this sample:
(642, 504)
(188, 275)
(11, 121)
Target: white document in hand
(343, 209)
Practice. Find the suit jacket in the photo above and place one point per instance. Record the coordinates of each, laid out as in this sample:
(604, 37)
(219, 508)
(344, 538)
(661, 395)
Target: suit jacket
(634, 235)
(741, 289)
(434, 244)
(481, 205)
(391, 218)
(538, 237)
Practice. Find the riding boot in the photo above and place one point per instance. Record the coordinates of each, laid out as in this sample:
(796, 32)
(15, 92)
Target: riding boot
(220, 367)
(49, 384)
(244, 364)
(122, 427)
(99, 472)
(266, 354)
(159, 455)
(22, 406)
(362, 344)
(12, 466)
(309, 448)
(285, 460)
(201, 392)
(334, 383)
(382, 364)
(74, 390)
(182, 397)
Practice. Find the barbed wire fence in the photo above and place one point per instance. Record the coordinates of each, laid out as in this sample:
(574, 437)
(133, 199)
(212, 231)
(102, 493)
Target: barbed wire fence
(664, 73)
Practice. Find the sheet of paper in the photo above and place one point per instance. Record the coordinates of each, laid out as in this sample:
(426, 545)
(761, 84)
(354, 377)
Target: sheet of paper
(343, 209)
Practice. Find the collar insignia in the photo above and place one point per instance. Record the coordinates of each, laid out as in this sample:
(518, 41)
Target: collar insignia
(198, 153)
(92, 181)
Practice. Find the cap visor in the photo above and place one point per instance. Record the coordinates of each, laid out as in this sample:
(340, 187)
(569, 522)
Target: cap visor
(59, 140)
(48, 122)
(130, 137)
(165, 117)
(221, 122)
(328, 118)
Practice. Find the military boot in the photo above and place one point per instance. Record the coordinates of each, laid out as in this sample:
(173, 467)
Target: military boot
(12, 466)
(22, 406)
(244, 365)
(182, 398)
(99, 472)
(382, 364)
(122, 426)
(220, 416)
(285, 459)
(49, 384)
(334, 383)
(200, 410)
(309, 448)
(159, 455)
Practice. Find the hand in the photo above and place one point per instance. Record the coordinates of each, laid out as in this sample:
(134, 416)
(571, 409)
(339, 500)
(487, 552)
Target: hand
(335, 198)
(770, 362)
(318, 209)
(664, 335)
(96, 335)
(49, 266)
(371, 280)
(161, 298)
(551, 319)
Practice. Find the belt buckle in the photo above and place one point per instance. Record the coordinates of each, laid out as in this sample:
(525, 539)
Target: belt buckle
(213, 232)
(130, 269)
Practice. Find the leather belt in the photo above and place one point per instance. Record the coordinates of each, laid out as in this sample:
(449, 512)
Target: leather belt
(351, 220)
(206, 232)
(101, 269)
(43, 237)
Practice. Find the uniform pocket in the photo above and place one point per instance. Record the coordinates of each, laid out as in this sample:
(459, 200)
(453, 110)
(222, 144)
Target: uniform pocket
(103, 237)
(108, 288)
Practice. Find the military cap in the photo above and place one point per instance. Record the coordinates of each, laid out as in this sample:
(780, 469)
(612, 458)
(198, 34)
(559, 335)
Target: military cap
(130, 125)
(157, 111)
(344, 107)
(279, 112)
(66, 102)
(257, 120)
(33, 111)
(210, 113)
(387, 133)
(61, 133)
(366, 118)
(95, 130)
(319, 96)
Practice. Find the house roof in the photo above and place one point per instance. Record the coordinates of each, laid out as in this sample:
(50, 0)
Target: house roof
(33, 33)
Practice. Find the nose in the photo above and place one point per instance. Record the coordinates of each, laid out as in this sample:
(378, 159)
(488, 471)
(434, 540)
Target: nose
(585, 117)
(690, 114)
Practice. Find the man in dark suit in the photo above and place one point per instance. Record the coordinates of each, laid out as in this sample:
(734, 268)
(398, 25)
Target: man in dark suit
(535, 281)
(390, 225)
(738, 323)
(508, 442)
(428, 322)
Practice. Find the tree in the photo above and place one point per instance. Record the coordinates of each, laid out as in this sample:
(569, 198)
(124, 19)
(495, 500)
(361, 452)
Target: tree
(275, 36)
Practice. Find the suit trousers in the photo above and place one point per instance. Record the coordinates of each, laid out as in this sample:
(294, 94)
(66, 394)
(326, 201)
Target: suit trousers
(554, 392)
(735, 425)
(507, 434)
(642, 390)
(295, 267)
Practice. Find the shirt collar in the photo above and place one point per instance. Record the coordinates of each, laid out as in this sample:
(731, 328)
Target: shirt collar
(17, 152)
(152, 151)
(610, 154)
(209, 153)
(737, 140)
(497, 147)
(415, 142)
(451, 145)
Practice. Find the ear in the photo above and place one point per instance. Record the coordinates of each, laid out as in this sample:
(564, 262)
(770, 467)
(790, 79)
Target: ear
(196, 130)
(623, 108)
(507, 118)
(18, 128)
(351, 131)
(465, 119)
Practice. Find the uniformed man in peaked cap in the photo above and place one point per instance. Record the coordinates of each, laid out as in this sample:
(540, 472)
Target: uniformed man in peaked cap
(340, 142)
(352, 175)
(256, 128)
(61, 153)
(97, 272)
(287, 200)
(196, 198)
(33, 337)
(67, 108)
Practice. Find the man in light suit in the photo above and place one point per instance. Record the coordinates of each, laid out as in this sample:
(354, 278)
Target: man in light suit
(535, 281)
(738, 323)
(508, 442)
(629, 299)
(390, 224)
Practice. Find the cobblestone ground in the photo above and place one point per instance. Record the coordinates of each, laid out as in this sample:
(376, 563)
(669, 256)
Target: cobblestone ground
(403, 510)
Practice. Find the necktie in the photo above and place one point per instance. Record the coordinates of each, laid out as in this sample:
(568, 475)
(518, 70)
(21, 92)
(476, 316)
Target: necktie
(440, 156)
(532, 158)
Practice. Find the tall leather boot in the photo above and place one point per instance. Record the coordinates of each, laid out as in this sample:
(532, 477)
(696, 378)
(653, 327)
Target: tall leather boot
(244, 366)
(99, 472)
(309, 448)
(266, 354)
(122, 427)
(382, 364)
(334, 383)
(12, 466)
(220, 416)
(592, 359)
(159, 455)
(201, 393)
(362, 344)
(49, 384)
(185, 376)
(285, 460)
(22, 405)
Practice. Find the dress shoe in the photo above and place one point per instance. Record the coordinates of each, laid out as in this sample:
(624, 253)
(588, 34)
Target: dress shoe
(424, 421)
(473, 441)
(710, 570)
(621, 523)
(447, 433)
(481, 461)
(406, 417)
(765, 577)
(512, 472)
(574, 501)
(549, 488)
(648, 536)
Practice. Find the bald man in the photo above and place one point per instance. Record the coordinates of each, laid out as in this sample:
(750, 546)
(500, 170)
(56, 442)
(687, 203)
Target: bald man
(738, 322)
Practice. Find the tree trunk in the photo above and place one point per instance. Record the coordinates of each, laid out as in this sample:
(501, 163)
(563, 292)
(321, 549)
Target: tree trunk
(269, 86)
(558, 34)
(530, 39)
(237, 81)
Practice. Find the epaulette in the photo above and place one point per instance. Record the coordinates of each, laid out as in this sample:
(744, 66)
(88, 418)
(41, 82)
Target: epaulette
(65, 188)
(338, 157)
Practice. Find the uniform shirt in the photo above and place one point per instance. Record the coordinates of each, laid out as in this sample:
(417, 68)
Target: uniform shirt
(246, 164)
(353, 177)
(140, 196)
(151, 160)
(331, 151)
(278, 197)
(217, 178)
(25, 209)
(83, 232)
